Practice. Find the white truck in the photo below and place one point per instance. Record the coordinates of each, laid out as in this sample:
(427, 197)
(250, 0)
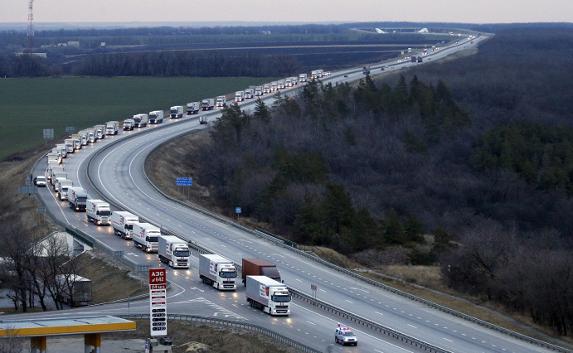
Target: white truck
(128, 124)
(266, 89)
(281, 84)
(239, 96)
(77, 198)
(62, 149)
(83, 137)
(63, 186)
(98, 212)
(91, 135)
(221, 102)
(193, 108)
(249, 93)
(156, 117)
(217, 271)
(122, 223)
(112, 128)
(100, 131)
(274, 86)
(145, 236)
(141, 120)
(176, 112)
(173, 251)
(258, 91)
(69, 145)
(207, 104)
(302, 78)
(56, 177)
(268, 295)
(77, 141)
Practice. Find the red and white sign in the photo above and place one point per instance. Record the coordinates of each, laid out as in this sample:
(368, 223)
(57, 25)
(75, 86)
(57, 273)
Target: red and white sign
(157, 302)
(157, 276)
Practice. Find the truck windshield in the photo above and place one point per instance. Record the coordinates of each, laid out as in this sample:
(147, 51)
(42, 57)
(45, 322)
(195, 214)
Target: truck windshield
(181, 253)
(104, 213)
(228, 274)
(152, 239)
(81, 199)
(129, 226)
(280, 298)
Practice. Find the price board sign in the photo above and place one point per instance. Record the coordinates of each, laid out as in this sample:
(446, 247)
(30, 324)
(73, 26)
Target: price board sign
(157, 302)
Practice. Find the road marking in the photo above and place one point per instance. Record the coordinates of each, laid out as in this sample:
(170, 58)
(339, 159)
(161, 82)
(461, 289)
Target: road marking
(447, 339)
(312, 323)
(412, 325)
(346, 300)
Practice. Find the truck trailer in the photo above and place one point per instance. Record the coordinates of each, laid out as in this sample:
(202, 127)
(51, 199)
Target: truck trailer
(141, 120)
(145, 236)
(259, 267)
(217, 271)
(122, 223)
(98, 212)
(208, 104)
(268, 295)
(173, 251)
(75, 290)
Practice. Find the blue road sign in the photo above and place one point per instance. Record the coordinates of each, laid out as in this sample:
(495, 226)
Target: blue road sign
(184, 181)
(238, 210)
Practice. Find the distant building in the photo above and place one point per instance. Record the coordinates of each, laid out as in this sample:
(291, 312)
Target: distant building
(73, 43)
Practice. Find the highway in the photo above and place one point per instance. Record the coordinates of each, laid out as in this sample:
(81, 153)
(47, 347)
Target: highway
(113, 169)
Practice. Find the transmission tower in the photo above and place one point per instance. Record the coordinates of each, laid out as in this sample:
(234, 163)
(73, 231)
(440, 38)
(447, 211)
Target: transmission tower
(30, 24)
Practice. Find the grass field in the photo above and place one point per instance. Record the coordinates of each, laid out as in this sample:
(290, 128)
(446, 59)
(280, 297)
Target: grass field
(28, 105)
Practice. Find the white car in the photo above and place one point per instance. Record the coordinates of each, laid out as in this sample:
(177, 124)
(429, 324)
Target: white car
(344, 336)
(40, 181)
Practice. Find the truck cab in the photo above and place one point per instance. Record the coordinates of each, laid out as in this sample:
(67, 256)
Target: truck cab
(77, 198)
(343, 335)
(221, 102)
(128, 124)
(122, 223)
(193, 108)
(217, 271)
(176, 112)
(156, 117)
(173, 251)
(239, 96)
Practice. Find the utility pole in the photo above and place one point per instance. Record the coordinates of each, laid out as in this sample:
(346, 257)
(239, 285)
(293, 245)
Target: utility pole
(30, 32)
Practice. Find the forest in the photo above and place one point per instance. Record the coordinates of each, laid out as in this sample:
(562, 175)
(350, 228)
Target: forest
(466, 164)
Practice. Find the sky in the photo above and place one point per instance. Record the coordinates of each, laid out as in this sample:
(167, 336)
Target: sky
(475, 11)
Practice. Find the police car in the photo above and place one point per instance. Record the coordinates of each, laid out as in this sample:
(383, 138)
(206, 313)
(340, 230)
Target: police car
(344, 336)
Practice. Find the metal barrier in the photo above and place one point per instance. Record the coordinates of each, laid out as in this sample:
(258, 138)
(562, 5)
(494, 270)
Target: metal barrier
(232, 324)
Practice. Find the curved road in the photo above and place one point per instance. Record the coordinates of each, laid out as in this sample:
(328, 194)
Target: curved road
(117, 174)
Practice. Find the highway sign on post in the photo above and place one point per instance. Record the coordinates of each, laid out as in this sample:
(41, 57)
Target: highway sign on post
(157, 302)
(238, 211)
(313, 288)
(70, 129)
(48, 134)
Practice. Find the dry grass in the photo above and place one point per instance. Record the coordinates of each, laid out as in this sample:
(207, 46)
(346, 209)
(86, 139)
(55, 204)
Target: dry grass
(185, 335)
(109, 282)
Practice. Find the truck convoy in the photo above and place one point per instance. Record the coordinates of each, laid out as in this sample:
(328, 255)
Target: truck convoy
(257, 267)
(173, 251)
(268, 295)
(122, 223)
(98, 212)
(217, 271)
(176, 112)
(145, 236)
(77, 198)
(156, 117)
(207, 104)
(111, 128)
(193, 108)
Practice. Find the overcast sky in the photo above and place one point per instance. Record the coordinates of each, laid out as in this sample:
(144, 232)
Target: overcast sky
(289, 10)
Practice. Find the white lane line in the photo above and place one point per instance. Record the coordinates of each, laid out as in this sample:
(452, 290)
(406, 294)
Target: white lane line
(412, 326)
(346, 300)
(312, 323)
(447, 339)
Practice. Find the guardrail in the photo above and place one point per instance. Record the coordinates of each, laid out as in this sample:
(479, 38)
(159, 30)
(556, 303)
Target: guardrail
(232, 324)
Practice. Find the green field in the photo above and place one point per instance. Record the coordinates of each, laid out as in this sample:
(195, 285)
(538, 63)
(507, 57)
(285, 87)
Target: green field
(27, 106)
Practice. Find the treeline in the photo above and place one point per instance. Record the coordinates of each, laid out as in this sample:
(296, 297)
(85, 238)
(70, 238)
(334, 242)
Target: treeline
(316, 167)
(25, 65)
(186, 64)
